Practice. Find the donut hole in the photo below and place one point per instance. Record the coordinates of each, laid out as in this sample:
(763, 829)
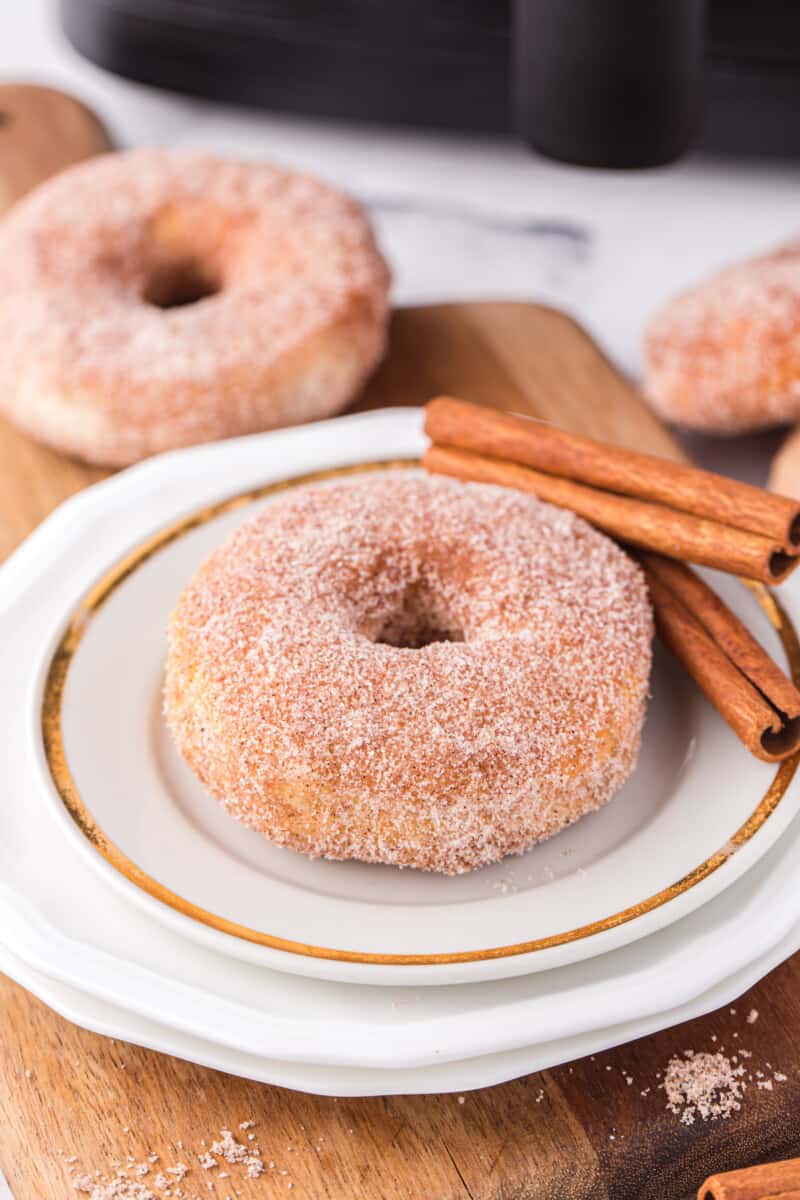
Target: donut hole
(416, 636)
(417, 622)
(176, 284)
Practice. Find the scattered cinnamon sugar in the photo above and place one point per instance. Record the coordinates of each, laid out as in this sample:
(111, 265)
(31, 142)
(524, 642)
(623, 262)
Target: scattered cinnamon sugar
(119, 1188)
(708, 1085)
(703, 1085)
(234, 1152)
(123, 1181)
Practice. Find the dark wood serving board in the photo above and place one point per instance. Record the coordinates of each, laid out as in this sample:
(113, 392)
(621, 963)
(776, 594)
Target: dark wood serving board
(580, 1132)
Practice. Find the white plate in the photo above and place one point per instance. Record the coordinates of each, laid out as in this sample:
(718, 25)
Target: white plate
(460, 1076)
(697, 813)
(65, 921)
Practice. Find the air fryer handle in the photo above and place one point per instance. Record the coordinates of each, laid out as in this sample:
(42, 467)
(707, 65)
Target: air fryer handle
(608, 83)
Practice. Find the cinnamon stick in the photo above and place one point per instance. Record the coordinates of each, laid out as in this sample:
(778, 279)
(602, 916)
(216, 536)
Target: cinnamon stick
(642, 523)
(769, 1181)
(730, 634)
(684, 608)
(459, 423)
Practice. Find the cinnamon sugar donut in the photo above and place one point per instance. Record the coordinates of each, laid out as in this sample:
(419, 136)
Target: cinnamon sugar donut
(411, 670)
(725, 356)
(152, 299)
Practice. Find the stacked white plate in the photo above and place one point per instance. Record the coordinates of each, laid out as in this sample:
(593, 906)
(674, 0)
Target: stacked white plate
(133, 904)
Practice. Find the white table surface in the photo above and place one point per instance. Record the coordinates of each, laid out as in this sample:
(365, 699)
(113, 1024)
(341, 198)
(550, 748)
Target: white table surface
(463, 217)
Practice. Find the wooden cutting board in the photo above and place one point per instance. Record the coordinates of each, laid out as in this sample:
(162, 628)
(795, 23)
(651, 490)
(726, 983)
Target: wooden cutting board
(597, 1129)
(41, 131)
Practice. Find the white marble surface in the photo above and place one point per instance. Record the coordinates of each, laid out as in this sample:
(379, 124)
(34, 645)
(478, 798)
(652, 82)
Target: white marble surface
(468, 217)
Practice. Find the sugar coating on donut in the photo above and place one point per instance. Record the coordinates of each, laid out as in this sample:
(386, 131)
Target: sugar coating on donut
(725, 356)
(157, 298)
(408, 669)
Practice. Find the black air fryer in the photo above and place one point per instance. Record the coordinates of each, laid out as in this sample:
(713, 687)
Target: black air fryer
(611, 83)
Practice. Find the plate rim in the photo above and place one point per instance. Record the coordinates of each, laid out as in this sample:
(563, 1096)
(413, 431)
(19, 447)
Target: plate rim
(280, 1072)
(52, 677)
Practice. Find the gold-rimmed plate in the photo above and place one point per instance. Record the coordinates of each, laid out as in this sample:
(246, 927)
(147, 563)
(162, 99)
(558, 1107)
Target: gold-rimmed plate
(697, 812)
